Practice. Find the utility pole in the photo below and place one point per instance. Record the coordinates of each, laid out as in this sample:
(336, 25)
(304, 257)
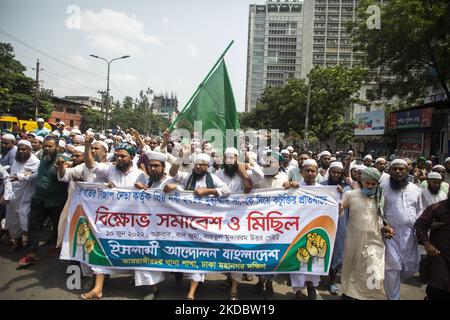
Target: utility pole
(103, 93)
(36, 107)
(308, 101)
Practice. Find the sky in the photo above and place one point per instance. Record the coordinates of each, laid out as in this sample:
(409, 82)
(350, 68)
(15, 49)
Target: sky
(172, 43)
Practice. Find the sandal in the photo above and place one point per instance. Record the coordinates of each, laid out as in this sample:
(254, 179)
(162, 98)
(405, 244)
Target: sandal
(247, 277)
(334, 290)
(28, 260)
(234, 296)
(91, 295)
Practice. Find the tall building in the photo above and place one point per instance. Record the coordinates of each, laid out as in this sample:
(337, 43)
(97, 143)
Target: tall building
(274, 46)
(288, 38)
(325, 37)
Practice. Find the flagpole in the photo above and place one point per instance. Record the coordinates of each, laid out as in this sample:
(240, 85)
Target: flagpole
(201, 85)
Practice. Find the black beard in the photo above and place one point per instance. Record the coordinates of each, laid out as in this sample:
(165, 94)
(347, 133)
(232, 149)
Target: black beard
(230, 169)
(325, 166)
(124, 166)
(199, 176)
(398, 185)
(433, 191)
(156, 177)
(332, 183)
(49, 156)
(5, 151)
(21, 158)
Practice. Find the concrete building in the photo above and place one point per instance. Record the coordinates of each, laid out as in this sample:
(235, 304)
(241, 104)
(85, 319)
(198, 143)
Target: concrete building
(94, 103)
(275, 40)
(165, 105)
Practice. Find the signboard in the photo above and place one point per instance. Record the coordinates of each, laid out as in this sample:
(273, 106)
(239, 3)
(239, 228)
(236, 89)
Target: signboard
(411, 143)
(272, 231)
(370, 123)
(412, 119)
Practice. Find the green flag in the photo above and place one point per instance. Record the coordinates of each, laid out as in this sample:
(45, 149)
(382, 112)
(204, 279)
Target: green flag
(213, 103)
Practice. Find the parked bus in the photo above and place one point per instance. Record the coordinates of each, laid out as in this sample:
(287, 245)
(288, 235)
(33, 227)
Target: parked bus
(7, 123)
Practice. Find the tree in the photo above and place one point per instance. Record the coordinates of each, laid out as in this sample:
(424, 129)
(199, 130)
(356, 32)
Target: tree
(17, 90)
(332, 95)
(91, 119)
(136, 113)
(412, 47)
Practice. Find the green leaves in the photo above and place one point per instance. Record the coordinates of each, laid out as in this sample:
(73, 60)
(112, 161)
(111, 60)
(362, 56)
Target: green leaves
(332, 94)
(412, 46)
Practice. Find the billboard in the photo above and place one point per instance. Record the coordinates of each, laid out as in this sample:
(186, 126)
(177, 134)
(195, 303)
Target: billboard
(369, 123)
(412, 119)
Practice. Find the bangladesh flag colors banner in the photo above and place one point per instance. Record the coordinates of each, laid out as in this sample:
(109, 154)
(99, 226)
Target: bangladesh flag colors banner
(272, 231)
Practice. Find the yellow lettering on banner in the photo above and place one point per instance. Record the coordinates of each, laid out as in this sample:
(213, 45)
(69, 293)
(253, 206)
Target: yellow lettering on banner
(172, 262)
(187, 263)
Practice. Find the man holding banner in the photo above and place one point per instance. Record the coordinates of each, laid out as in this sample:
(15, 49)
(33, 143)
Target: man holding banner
(122, 174)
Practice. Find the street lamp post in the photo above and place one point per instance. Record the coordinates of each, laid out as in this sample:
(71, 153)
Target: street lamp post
(107, 84)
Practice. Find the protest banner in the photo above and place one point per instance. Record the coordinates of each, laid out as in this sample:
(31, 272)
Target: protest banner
(268, 231)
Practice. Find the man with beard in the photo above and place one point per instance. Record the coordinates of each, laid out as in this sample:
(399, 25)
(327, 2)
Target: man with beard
(157, 181)
(403, 205)
(367, 161)
(364, 248)
(239, 178)
(433, 192)
(8, 150)
(122, 174)
(216, 161)
(299, 280)
(444, 185)
(447, 170)
(23, 175)
(433, 231)
(274, 177)
(336, 178)
(380, 164)
(324, 162)
(49, 198)
(203, 184)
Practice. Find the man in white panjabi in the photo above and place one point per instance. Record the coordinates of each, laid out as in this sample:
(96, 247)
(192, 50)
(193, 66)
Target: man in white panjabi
(240, 178)
(364, 251)
(403, 205)
(158, 179)
(433, 193)
(380, 164)
(203, 184)
(300, 280)
(122, 174)
(23, 177)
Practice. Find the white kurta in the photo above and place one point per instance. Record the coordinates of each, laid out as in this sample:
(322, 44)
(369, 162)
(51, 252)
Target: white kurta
(298, 279)
(147, 277)
(429, 198)
(384, 177)
(402, 208)
(222, 189)
(79, 173)
(363, 263)
(18, 209)
(236, 183)
(270, 182)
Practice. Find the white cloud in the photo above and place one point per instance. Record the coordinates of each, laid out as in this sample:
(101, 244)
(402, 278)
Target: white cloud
(193, 50)
(115, 32)
(165, 21)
